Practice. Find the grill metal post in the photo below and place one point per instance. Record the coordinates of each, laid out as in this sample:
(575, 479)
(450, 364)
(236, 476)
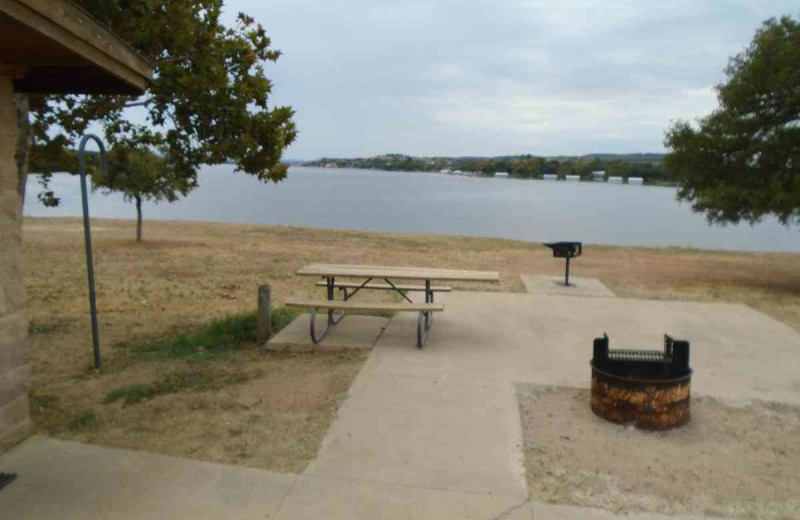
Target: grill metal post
(566, 276)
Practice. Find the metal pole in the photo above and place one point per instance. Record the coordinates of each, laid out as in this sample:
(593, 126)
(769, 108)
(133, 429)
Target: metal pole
(87, 237)
(331, 297)
(566, 277)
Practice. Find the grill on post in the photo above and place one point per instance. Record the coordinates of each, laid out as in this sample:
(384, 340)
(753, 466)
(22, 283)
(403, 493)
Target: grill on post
(566, 250)
(648, 388)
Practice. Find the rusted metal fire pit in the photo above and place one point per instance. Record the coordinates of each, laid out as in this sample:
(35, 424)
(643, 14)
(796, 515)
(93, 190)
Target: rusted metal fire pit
(647, 388)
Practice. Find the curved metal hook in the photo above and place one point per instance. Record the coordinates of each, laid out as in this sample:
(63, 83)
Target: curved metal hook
(82, 155)
(87, 237)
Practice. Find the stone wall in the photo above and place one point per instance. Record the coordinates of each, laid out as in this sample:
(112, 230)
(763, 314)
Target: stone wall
(15, 364)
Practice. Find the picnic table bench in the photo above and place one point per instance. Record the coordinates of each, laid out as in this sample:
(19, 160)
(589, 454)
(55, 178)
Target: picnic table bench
(329, 272)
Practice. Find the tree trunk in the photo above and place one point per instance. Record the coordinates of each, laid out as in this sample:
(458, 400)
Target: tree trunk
(23, 145)
(138, 218)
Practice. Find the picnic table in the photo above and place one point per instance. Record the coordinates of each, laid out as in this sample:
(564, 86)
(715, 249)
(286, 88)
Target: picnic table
(391, 278)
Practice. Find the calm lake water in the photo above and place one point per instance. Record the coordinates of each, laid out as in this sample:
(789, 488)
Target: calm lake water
(595, 213)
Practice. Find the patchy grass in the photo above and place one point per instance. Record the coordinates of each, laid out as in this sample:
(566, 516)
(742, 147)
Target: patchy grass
(41, 328)
(192, 381)
(83, 422)
(220, 339)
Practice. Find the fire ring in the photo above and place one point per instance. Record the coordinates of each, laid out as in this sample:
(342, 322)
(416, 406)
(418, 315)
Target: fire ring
(649, 389)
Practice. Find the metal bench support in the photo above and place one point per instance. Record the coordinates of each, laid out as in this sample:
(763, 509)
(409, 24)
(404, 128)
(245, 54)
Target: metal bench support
(424, 321)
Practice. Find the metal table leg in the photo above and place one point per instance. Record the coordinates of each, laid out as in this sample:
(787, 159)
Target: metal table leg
(332, 319)
(425, 319)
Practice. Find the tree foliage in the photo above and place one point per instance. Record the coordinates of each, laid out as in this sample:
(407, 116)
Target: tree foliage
(742, 162)
(140, 175)
(208, 102)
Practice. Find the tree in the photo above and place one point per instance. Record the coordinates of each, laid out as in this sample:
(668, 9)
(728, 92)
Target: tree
(206, 105)
(141, 175)
(743, 160)
(619, 169)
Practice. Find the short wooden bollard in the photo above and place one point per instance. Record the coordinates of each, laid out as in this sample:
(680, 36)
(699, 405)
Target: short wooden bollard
(264, 319)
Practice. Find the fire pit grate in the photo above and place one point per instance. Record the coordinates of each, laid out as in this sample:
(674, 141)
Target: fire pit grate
(648, 388)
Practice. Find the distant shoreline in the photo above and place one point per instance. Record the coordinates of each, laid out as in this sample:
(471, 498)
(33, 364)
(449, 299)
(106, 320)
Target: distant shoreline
(669, 184)
(101, 224)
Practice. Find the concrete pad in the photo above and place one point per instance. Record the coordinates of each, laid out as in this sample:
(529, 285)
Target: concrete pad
(542, 511)
(738, 354)
(67, 480)
(554, 285)
(332, 499)
(353, 332)
(435, 429)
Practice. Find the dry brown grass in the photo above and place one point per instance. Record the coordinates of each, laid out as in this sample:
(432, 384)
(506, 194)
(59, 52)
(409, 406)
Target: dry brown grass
(186, 273)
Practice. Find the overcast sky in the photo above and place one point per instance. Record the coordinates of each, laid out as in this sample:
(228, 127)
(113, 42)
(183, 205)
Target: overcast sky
(463, 77)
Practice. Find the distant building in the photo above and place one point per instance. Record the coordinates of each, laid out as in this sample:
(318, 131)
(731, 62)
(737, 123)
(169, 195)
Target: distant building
(501, 174)
(573, 178)
(550, 177)
(615, 180)
(635, 180)
(446, 170)
(599, 174)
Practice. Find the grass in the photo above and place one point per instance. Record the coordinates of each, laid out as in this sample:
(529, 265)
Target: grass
(219, 339)
(193, 381)
(41, 328)
(83, 422)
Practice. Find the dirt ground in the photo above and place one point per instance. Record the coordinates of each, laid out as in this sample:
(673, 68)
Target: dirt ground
(187, 273)
(731, 462)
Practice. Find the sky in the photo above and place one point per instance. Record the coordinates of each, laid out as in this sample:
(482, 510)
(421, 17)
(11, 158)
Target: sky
(498, 77)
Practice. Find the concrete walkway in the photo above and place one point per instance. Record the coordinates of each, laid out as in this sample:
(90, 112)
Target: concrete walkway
(431, 433)
(68, 480)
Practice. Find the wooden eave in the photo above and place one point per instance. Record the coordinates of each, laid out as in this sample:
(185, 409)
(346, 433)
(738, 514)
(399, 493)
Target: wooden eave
(55, 47)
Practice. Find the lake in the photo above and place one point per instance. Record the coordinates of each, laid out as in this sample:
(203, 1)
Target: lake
(595, 213)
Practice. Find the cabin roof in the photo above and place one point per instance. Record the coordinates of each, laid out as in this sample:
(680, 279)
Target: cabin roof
(55, 47)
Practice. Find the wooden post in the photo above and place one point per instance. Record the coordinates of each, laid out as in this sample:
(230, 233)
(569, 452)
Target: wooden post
(264, 319)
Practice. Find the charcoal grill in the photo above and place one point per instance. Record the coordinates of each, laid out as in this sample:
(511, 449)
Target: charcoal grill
(650, 389)
(566, 250)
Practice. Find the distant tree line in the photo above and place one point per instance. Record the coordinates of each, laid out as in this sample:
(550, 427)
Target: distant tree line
(647, 166)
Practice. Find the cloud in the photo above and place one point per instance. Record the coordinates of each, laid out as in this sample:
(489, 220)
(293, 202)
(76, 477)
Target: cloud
(490, 78)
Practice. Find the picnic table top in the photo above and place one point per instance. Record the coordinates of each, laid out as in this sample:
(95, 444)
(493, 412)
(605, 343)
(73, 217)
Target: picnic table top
(407, 273)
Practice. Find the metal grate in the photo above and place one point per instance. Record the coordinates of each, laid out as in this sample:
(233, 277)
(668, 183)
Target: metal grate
(655, 356)
(6, 479)
(672, 361)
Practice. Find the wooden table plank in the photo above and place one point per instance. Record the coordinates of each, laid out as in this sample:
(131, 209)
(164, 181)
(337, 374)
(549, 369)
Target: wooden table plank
(400, 273)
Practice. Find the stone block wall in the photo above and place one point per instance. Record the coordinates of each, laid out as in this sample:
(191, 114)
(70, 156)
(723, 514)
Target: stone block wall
(15, 362)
